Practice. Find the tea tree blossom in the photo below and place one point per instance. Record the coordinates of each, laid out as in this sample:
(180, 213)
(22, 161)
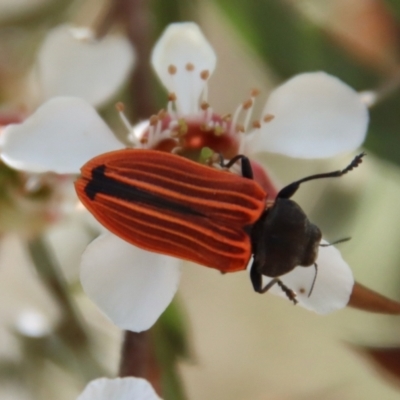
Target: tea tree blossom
(120, 388)
(311, 115)
(71, 61)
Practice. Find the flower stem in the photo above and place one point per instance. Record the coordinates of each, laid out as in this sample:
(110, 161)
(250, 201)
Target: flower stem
(138, 358)
(136, 17)
(70, 329)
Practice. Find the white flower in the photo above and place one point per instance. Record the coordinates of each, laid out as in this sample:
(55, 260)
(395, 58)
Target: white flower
(311, 115)
(72, 62)
(119, 389)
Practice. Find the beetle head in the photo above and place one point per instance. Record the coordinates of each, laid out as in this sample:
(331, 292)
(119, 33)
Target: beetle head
(284, 238)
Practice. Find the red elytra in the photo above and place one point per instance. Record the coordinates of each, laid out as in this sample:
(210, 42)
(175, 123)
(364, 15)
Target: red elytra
(168, 204)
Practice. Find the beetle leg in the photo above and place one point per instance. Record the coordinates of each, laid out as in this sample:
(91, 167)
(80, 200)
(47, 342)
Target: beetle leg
(247, 171)
(256, 280)
(288, 191)
(289, 292)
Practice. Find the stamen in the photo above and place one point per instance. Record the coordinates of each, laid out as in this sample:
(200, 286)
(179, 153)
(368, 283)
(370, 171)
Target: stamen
(157, 132)
(153, 122)
(120, 107)
(204, 75)
(256, 124)
(235, 118)
(249, 106)
(193, 106)
(171, 105)
(172, 70)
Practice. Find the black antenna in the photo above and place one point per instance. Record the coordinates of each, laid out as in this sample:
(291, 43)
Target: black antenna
(289, 190)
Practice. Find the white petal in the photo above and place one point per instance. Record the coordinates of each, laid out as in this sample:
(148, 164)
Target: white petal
(315, 116)
(119, 389)
(333, 285)
(182, 44)
(72, 63)
(60, 136)
(130, 285)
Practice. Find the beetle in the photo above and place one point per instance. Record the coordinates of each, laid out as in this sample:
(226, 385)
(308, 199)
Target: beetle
(168, 204)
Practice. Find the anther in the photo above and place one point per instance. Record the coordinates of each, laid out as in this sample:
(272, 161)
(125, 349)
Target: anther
(268, 117)
(153, 120)
(247, 104)
(161, 114)
(254, 93)
(171, 97)
(256, 124)
(172, 69)
(205, 74)
(189, 67)
(120, 107)
(204, 105)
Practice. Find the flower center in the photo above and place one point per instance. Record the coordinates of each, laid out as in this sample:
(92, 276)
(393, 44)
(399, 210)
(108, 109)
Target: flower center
(187, 135)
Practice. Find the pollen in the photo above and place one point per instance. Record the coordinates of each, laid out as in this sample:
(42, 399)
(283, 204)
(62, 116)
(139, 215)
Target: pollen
(189, 67)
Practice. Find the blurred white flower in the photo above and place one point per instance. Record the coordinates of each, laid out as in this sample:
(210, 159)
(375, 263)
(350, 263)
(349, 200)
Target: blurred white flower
(311, 115)
(119, 389)
(72, 62)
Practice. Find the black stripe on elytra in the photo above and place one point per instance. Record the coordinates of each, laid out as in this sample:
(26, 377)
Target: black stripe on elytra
(100, 183)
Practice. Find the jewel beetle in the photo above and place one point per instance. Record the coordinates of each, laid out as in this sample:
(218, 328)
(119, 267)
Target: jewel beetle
(168, 204)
